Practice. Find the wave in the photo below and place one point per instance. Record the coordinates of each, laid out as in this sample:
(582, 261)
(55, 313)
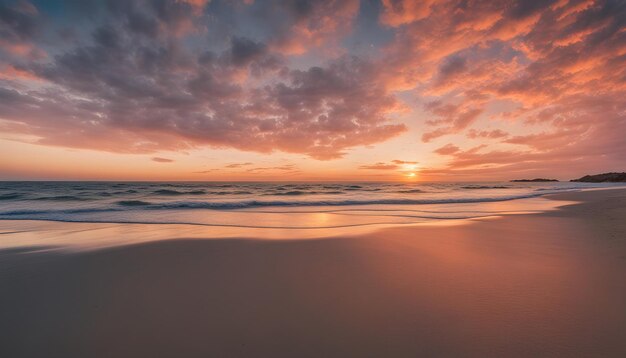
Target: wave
(65, 211)
(10, 196)
(61, 198)
(353, 187)
(567, 188)
(232, 205)
(238, 192)
(410, 191)
(241, 226)
(473, 187)
(175, 192)
(133, 203)
(300, 192)
(292, 193)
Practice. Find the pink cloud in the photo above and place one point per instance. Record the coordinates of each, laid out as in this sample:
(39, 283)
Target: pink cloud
(562, 64)
(448, 149)
(491, 134)
(453, 118)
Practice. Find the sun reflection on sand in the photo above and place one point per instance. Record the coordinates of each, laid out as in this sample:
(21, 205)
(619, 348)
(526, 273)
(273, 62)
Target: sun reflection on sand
(288, 225)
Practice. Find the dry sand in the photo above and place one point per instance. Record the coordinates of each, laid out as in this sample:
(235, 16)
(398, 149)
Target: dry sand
(544, 285)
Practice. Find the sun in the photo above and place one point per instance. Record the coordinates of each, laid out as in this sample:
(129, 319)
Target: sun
(410, 176)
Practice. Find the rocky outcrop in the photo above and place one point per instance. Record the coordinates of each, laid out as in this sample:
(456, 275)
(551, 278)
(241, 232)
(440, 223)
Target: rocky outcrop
(603, 178)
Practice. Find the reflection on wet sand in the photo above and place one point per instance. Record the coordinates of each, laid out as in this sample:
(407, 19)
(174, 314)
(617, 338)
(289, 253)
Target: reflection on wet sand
(295, 224)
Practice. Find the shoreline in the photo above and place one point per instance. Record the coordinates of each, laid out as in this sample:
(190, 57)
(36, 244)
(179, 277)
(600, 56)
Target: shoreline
(95, 235)
(548, 284)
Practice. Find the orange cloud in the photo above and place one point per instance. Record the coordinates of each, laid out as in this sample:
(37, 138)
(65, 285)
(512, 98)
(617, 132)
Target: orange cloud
(238, 165)
(448, 149)
(162, 160)
(491, 134)
(380, 166)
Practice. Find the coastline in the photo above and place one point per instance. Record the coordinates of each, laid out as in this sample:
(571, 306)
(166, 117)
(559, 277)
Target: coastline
(548, 284)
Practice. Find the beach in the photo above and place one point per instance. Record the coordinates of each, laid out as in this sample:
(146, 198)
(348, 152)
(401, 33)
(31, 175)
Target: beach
(550, 284)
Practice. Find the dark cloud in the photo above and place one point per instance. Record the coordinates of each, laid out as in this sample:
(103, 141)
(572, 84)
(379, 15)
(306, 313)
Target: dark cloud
(18, 21)
(522, 8)
(138, 79)
(452, 66)
(243, 51)
(162, 160)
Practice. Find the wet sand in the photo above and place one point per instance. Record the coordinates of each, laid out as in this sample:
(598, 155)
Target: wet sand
(540, 285)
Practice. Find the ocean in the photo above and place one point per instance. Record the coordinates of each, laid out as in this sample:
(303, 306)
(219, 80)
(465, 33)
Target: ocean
(219, 203)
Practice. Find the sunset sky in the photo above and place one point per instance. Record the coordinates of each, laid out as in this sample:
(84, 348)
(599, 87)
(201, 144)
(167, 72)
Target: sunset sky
(311, 90)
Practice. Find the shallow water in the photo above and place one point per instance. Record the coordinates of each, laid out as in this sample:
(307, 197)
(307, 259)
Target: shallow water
(269, 205)
(97, 214)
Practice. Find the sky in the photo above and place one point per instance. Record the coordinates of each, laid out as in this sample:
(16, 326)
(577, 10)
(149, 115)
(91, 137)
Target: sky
(311, 90)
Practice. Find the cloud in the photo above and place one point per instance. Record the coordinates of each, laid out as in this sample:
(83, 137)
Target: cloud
(238, 165)
(280, 168)
(206, 171)
(569, 150)
(448, 149)
(18, 22)
(453, 118)
(380, 166)
(135, 86)
(173, 75)
(553, 62)
(400, 12)
(196, 3)
(20, 27)
(452, 66)
(491, 134)
(309, 24)
(162, 160)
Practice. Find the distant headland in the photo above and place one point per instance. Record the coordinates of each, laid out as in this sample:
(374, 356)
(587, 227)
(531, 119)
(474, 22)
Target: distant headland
(597, 178)
(602, 178)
